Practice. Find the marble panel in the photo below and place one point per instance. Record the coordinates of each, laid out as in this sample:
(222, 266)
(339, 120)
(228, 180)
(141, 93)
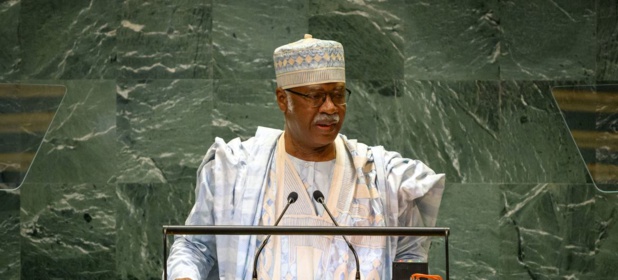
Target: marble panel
(607, 29)
(164, 129)
(80, 145)
(68, 231)
(451, 126)
(606, 255)
(552, 231)
(68, 40)
(471, 111)
(448, 40)
(9, 36)
(367, 112)
(243, 105)
(472, 213)
(370, 32)
(548, 40)
(143, 210)
(536, 143)
(159, 39)
(245, 33)
(9, 235)
(401, 119)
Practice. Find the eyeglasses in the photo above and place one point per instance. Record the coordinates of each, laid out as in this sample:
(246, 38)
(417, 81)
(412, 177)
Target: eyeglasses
(316, 99)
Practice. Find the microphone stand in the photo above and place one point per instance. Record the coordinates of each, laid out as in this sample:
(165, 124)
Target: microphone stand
(319, 197)
(292, 197)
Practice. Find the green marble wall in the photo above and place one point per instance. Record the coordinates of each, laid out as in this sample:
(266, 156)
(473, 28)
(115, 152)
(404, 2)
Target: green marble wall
(462, 85)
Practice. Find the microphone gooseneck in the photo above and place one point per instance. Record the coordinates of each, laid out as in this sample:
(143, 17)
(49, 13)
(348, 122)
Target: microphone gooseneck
(292, 197)
(319, 197)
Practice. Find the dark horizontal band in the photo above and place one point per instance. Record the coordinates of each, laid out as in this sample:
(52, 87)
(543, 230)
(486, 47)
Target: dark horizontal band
(288, 230)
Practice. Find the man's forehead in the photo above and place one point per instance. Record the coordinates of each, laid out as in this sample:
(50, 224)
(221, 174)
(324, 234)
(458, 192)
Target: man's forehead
(337, 85)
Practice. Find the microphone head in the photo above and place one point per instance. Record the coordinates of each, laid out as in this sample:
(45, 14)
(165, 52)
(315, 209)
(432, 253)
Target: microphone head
(318, 196)
(292, 197)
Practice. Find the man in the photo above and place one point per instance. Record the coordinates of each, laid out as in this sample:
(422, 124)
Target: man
(247, 183)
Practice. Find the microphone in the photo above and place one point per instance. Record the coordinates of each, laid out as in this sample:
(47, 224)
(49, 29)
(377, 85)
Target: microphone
(319, 197)
(292, 197)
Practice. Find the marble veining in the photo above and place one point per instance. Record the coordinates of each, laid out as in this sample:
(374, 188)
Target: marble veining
(79, 40)
(10, 250)
(453, 41)
(176, 45)
(9, 56)
(152, 149)
(68, 231)
(464, 86)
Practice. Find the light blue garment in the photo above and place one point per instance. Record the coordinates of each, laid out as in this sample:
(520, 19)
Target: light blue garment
(230, 189)
(316, 176)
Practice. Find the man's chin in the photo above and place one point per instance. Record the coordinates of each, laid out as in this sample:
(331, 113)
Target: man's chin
(327, 138)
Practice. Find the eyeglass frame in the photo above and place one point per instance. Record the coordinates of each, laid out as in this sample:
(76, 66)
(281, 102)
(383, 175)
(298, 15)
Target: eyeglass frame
(323, 99)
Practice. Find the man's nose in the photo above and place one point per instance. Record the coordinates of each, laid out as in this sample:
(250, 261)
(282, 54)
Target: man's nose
(328, 106)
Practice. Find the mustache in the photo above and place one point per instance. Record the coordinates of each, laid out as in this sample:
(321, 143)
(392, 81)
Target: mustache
(326, 119)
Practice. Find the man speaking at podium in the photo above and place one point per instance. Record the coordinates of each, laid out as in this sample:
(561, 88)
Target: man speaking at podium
(247, 183)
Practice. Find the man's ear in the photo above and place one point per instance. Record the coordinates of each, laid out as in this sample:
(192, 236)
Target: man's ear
(282, 99)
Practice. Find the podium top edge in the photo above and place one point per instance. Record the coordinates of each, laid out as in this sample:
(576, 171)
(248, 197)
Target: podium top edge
(289, 230)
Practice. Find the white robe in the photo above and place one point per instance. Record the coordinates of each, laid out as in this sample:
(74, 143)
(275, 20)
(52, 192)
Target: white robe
(232, 183)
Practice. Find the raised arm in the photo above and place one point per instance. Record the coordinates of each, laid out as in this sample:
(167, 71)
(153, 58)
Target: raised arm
(419, 192)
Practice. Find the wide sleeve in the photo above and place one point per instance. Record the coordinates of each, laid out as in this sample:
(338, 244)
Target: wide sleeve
(194, 256)
(419, 193)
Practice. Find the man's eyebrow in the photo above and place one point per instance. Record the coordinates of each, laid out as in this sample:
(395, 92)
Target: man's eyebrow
(320, 90)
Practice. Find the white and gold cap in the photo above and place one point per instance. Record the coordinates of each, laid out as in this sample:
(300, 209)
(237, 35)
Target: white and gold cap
(309, 61)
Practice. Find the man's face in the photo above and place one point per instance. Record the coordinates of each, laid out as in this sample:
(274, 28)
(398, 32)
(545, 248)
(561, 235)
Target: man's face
(312, 127)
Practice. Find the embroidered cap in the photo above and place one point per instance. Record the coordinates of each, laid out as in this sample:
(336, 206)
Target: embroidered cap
(309, 61)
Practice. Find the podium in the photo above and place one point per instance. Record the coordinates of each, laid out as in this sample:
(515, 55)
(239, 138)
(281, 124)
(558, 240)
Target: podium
(287, 230)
